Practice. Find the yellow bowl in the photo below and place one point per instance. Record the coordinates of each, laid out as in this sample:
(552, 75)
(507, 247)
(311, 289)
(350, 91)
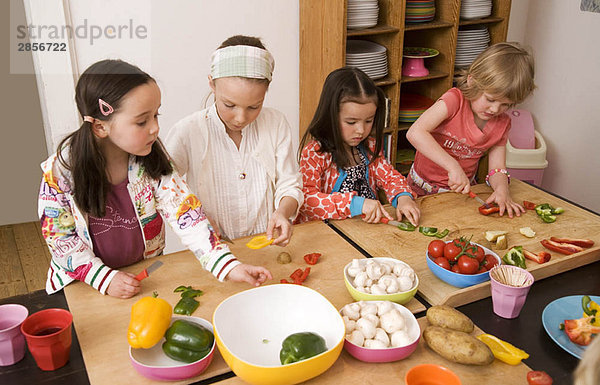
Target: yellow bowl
(250, 326)
(401, 297)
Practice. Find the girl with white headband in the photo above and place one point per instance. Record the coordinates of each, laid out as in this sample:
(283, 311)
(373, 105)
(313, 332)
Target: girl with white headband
(238, 156)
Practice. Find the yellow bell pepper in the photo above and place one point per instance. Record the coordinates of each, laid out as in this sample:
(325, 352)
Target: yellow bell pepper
(591, 308)
(150, 318)
(259, 242)
(503, 350)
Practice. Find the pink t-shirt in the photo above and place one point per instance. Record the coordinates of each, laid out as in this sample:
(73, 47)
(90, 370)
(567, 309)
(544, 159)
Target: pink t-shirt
(462, 139)
(117, 237)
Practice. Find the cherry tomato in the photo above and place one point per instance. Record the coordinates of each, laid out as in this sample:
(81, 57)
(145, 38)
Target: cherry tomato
(443, 262)
(451, 251)
(455, 269)
(481, 269)
(436, 248)
(467, 265)
(537, 377)
(489, 261)
(480, 253)
(461, 241)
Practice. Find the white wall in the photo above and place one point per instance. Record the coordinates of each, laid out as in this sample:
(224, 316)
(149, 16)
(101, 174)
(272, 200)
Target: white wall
(566, 103)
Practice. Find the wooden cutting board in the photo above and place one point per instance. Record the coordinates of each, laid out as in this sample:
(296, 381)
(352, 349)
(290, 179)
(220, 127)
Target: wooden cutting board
(459, 214)
(348, 370)
(101, 321)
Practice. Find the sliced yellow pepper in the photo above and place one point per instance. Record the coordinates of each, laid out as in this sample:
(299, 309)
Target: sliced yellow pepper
(150, 318)
(259, 242)
(594, 306)
(503, 350)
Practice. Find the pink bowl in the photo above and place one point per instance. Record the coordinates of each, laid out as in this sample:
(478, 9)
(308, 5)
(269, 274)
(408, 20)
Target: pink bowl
(389, 354)
(154, 364)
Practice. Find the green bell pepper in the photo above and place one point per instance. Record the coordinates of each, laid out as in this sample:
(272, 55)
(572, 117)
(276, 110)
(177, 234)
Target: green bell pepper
(187, 304)
(515, 257)
(442, 234)
(406, 226)
(300, 346)
(187, 341)
(429, 231)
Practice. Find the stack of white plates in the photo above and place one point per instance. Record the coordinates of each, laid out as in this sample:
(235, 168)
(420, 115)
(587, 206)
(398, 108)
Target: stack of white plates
(370, 57)
(362, 14)
(475, 9)
(470, 43)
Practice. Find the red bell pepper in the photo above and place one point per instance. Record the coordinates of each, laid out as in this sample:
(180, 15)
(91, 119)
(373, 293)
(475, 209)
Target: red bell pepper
(560, 247)
(541, 257)
(580, 330)
(305, 274)
(574, 241)
(283, 280)
(487, 211)
(296, 275)
(312, 258)
(529, 205)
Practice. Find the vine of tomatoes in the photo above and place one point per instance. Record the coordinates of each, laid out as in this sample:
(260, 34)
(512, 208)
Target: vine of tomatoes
(461, 256)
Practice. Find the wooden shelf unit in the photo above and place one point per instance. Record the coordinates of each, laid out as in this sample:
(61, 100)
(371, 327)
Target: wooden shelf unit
(323, 36)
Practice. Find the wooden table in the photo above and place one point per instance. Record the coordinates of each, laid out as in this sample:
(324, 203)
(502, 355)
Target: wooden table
(102, 321)
(459, 214)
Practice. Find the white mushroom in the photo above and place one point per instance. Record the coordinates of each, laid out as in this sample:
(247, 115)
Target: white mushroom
(369, 282)
(350, 324)
(366, 289)
(393, 287)
(400, 338)
(374, 271)
(352, 271)
(392, 321)
(381, 335)
(369, 308)
(360, 279)
(352, 311)
(404, 283)
(366, 327)
(355, 263)
(378, 289)
(356, 337)
(361, 288)
(386, 267)
(383, 307)
(373, 318)
(386, 279)
(375, 344)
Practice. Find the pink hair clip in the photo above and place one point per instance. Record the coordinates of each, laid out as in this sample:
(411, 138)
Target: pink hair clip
(109, 110)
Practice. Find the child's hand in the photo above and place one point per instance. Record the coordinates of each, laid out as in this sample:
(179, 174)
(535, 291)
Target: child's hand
(254, 275)
(123, 285)
(374, 211)
(502, 198)
(407, 206)
(283, 226)
(458, 181)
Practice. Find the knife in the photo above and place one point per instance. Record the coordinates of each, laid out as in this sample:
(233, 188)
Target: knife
(474, 196)
(144, 273)
(387, 221)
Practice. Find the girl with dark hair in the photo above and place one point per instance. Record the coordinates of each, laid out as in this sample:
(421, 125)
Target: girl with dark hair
(236, 154)
(342, 166)
(106, 191)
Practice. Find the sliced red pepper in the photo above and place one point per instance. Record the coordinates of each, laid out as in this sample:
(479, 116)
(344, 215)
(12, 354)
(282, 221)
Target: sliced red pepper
(312, 258)
(529, 205)
(541, 257)
(563, 248)
(580, 330)
(487, 211)
(574, 241)
(305, 274)
(283, 281)
(296, 275)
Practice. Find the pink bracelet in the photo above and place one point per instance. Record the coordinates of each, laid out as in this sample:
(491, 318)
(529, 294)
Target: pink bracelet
(492, 172)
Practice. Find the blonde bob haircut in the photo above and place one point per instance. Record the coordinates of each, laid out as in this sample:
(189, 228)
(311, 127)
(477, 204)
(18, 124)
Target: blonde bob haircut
(503, 70)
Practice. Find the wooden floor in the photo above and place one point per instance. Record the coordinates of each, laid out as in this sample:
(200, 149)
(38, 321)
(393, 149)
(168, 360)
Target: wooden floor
(24, 259)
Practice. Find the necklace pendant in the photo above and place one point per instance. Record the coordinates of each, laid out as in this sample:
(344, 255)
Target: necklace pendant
(242, 175)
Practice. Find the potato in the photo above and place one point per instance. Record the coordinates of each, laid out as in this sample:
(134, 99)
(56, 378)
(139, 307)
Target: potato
(284, 258)
(448, 317)
(457, 346)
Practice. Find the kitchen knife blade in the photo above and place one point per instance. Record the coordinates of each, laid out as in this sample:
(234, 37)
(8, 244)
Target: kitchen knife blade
(144, 273)
(474, 196)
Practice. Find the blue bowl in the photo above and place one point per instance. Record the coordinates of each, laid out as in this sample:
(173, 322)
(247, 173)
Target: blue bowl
(460, 280)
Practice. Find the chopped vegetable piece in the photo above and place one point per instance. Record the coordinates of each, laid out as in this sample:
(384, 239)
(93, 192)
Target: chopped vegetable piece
(548, 218)
(574, 241)
(527, 231)
(541, 257)
(312, 258)
(580, 330)
(429, 231)
(487, 211)
(589, 307)
(503, 350)
(283, 280)
(305, 274)
(501, 242)
(515, 257)
(442, 234)
(529, 205)
(558, 210)
(493, 235)
(186, 306)
(560, 247)
(259, 242)
(296, 275)
(406, 226)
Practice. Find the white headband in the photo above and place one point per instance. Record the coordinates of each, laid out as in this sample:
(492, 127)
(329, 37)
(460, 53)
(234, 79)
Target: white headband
(243, 61)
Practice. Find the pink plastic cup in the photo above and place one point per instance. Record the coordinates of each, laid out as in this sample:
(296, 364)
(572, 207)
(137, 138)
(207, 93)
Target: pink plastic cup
(12, 342)
(48, 335)
(509, 300)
